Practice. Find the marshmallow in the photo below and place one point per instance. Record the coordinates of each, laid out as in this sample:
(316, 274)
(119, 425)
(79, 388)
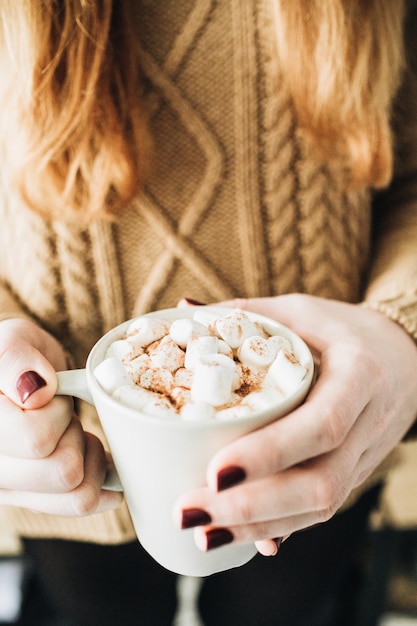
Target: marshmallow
(213, 379)
(182, 330)
(121, 349)
(197, 411)
(110, 374)
(263, 399)
(159, 380)
(145, 330)
(148, 402)
(159, 407)
(183, 378)
(235, 328)
(286, 371)
(260, 330)
(280, 343)
(253, 402)
(248, 378)
(198, 347)
(207, 367)
(257, 352)
(135, 397)
(233, 412)
(206, 317)
(224, 348)
(166, 354)
(180, 396)
(137, 366)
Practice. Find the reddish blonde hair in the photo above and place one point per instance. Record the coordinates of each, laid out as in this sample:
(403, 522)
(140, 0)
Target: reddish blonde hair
(73, 122)
(343, 61)
(76, 107)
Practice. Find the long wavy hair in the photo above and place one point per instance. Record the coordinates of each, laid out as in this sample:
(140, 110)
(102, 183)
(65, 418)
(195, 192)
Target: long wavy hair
(74, 125)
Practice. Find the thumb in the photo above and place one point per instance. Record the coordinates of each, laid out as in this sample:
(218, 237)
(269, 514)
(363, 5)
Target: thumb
(303, 313)
(26, 376)
(27, 383)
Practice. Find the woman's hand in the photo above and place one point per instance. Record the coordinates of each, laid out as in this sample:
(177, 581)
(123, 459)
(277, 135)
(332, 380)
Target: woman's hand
(298, 471)
(47, 462)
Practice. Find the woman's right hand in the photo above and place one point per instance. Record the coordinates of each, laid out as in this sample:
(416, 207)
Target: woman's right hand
(47, 462)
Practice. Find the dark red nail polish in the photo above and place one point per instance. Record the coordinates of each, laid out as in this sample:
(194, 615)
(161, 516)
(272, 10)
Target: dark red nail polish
(28, 383)
(217, 537)
(194, 517)
(194, 302)
(229, 477)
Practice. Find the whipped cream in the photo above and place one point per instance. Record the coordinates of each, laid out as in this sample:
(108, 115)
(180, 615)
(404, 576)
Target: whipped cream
(205, 367)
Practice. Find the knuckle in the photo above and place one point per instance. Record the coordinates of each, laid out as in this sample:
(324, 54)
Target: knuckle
(38, 442)
(245, 508)
(326, 495)
(326, 515)
(272, 452)
(332, 428)
(239, 303)
(96, 453)
(363, 357)
(262, 530)
(42, 429)
(85, 500)
(366, 355)
(298, 301)
(70, 469)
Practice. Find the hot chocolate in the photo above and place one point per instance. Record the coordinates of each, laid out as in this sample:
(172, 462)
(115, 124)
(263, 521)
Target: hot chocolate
(205, 367)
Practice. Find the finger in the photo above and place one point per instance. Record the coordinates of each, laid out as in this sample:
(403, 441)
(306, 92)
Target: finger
(211, 537)
(319, 488)
(33, 434)
(89, 497)
(85, 499)
(26, 376)
(302, 313)
(268, 547)
(319, 426)
(60, 472)
(312, 492)
(34, 335)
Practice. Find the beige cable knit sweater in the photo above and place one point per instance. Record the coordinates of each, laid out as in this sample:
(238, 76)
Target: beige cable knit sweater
(239, 205)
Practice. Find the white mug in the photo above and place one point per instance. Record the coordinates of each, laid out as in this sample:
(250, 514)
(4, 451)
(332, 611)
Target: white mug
(158, 459)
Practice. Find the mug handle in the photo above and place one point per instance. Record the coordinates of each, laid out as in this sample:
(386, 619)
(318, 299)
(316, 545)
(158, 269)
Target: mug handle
(74, 383)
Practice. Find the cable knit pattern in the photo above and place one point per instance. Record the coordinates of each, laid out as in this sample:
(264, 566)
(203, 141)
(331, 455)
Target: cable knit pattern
(178, 241)
(246, 106)
(109, 287)
(280, 152)
(296, 178)
(239, 204)
(74, 252)
(30, 274)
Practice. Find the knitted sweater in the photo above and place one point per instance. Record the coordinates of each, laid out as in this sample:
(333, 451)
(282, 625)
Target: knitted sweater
(239, 205)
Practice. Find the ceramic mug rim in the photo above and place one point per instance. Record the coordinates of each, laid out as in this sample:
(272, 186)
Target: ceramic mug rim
(288, 403)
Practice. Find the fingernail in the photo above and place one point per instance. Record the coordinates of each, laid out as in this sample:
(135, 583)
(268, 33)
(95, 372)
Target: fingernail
(28, 383)
(229, 477)
(278, 541)
(194, 302)
(194, 517)
(273, 546)
(217, 537)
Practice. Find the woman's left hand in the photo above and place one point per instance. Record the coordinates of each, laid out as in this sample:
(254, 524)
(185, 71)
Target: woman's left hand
(298, 471)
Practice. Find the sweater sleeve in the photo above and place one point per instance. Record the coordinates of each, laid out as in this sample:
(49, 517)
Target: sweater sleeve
(392, 286)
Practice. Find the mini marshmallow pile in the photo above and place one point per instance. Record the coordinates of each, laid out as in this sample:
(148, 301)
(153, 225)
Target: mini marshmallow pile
(204, 367)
